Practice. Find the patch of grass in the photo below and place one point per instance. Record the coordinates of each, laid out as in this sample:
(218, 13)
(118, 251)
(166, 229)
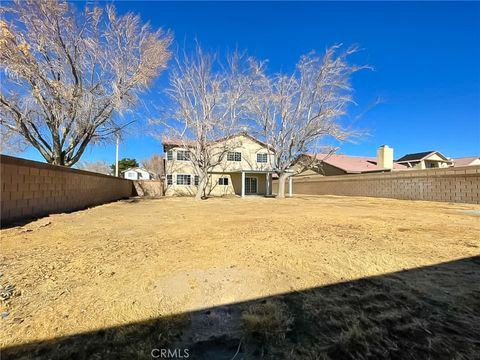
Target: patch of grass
(268, 321)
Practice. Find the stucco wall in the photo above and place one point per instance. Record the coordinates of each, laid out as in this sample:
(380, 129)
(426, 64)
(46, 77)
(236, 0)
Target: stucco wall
(234, 186)
(243, 144)
(460, 184)
(30, 189)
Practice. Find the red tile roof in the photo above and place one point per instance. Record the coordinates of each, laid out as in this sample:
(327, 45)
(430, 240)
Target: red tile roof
(464, 161)
(355, 164)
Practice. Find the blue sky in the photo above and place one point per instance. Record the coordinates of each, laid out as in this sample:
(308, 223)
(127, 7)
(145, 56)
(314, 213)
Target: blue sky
(426, 58)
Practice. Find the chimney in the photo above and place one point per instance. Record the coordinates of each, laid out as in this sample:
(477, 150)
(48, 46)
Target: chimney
(385, 157)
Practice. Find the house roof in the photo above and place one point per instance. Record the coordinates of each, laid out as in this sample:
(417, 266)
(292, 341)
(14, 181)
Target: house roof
(136, 169)
(176, 142)
(190, 143)
(420, 156)
(464, 161)
(354, 164)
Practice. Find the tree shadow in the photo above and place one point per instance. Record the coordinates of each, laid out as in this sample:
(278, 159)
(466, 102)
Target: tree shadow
(32, 218)
(431, 312)
(148, 188)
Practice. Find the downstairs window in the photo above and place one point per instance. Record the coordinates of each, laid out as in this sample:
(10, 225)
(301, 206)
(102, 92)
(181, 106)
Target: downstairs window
(223, 181)
(184, 179)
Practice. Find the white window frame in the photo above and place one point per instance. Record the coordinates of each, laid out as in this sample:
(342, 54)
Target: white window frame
(170, 155)
(232, 156)
(181, 176)
(185, 157)
(221, 181)
(169, 178)
(263, 156)
(196, 180)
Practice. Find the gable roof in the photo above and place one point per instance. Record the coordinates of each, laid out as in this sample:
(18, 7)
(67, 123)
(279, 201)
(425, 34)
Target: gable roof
(175, 142)
(354, 164)
(190, 143)
(420, 156)
(464, 161)
(136, 170)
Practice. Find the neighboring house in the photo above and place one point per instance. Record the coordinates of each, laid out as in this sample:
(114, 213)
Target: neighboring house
(466, 161)
(137, 173)
(330, 165)
(425, 160)
(245, 168)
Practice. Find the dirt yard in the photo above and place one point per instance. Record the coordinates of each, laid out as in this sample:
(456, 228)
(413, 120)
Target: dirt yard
(245, 279)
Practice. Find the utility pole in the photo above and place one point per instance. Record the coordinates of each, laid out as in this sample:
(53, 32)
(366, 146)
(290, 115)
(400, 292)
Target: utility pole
(116, 155)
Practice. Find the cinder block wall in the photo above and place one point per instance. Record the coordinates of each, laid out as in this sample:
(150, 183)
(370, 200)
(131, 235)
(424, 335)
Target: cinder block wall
(30, 189)
(460, 184)
(149, 188)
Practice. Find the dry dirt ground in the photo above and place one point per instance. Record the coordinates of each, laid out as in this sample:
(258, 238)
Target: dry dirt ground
(312, 277)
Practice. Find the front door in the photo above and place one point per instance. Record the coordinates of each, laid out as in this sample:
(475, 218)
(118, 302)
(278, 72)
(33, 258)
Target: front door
(250, 185)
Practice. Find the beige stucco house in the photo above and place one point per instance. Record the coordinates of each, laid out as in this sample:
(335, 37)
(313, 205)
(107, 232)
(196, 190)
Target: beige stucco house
(245, 167)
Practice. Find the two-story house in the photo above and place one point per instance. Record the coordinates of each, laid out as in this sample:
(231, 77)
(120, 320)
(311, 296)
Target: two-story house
(244, 167)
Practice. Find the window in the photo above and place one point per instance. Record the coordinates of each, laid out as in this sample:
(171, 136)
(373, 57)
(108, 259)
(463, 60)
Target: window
(223, 181)
(184, 179)
(183, 155)
(170, 155)
(261, 158)
(196, 180)
(234, 156)
(169, 180)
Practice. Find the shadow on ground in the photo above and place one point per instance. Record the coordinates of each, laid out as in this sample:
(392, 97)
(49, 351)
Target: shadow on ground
(425, 313)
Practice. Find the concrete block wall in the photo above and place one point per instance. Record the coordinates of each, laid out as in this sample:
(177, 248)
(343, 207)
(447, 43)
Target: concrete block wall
(32, 189)
(459, 184)
(148, 188)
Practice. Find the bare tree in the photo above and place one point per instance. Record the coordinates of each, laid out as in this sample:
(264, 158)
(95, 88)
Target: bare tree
(209, 102)
(69, 73)
(154, 164)
(10, 144)
(96, 166)
(295, 112)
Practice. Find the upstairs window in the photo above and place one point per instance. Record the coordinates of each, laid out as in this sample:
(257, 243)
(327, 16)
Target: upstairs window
(262, 158)
(223, 181)
(183, 155)
(169, 180)
(184, 179)
(170, 155)
(234, 156)
(196, 180)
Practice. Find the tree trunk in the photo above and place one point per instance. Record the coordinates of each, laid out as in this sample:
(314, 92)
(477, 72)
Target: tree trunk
(202, 185)
(281, 185)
